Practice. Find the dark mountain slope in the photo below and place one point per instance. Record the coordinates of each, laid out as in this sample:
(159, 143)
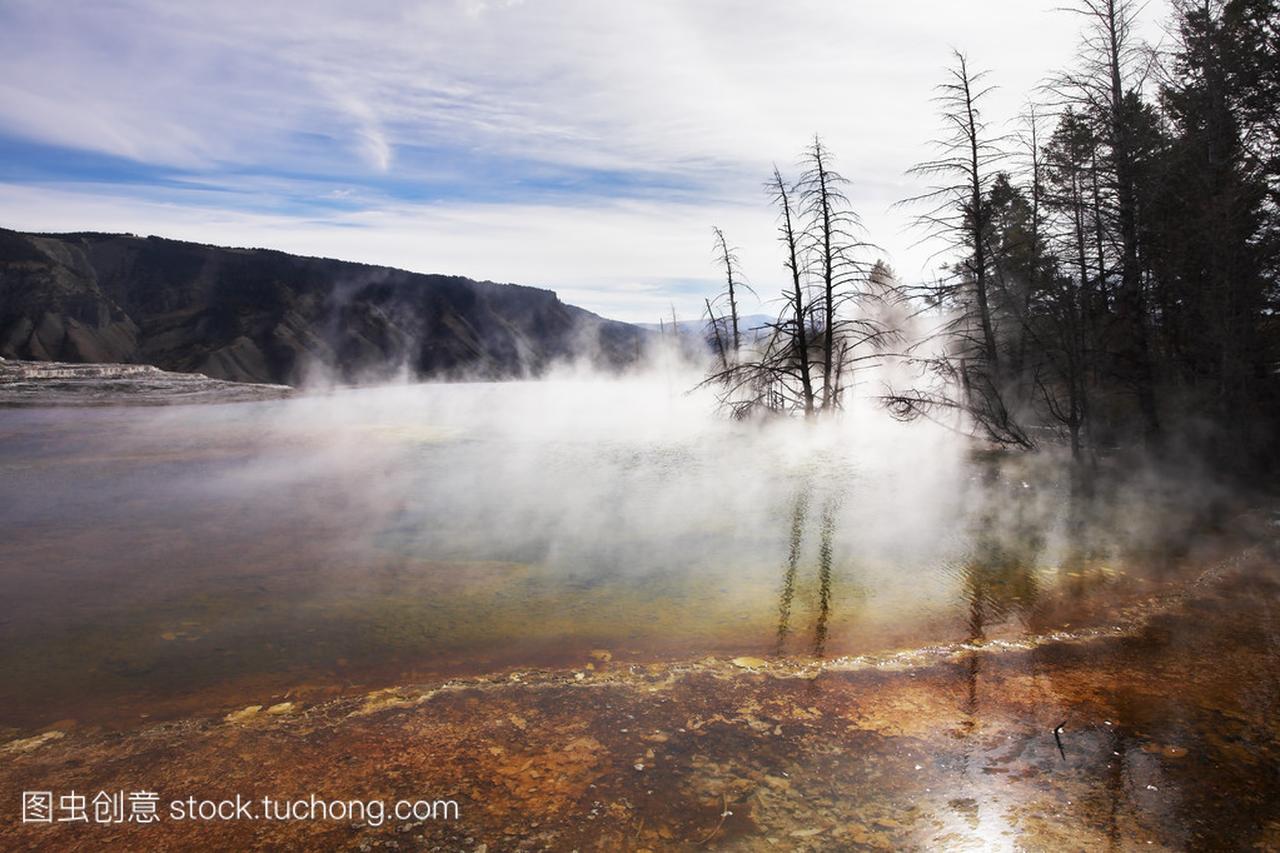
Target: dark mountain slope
(264, 316)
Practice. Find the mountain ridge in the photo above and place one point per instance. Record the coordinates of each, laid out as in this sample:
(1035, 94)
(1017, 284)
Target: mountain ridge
(264, 315)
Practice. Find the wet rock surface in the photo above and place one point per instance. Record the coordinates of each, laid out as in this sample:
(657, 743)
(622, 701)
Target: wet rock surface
(41, 383)
(1161, 734)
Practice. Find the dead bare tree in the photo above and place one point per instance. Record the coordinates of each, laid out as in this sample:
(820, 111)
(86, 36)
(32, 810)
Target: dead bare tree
(1023, 281)
(797, 313)
(967, 373)
(714, 322)
(1069, 158)
(822, 326)
(966, 166)
(832, 234)
(728, 258)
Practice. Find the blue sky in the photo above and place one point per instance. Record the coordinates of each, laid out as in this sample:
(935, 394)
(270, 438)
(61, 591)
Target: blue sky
(579, 145)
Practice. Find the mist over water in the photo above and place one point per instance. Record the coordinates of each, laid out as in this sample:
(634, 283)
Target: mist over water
(370, 536)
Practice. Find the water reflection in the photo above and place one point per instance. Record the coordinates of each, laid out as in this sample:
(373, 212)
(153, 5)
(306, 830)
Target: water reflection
(795, 548)
(996, 581)
(798, 514)
(999, 580)
(1129, 720)
(187, 558)
(135, 575)
(824, 577)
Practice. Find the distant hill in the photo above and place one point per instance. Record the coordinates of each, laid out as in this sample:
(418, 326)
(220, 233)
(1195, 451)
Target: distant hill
(748, 324)
(256, 315)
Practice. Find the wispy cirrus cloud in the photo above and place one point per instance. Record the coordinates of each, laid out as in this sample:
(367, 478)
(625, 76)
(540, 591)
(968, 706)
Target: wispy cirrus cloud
(586, 132)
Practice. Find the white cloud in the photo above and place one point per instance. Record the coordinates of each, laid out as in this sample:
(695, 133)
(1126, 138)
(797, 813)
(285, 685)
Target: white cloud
(371, 138)
(709, 93)
(619, 259)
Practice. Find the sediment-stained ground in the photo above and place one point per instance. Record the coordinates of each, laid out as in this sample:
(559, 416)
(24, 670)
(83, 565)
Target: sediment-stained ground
(53, 383)
(1169, 739)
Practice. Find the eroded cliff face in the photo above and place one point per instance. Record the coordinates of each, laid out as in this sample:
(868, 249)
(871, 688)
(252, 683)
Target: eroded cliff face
(255, 315)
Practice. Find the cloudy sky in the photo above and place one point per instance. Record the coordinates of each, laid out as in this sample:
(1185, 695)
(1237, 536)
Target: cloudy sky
(581, 145)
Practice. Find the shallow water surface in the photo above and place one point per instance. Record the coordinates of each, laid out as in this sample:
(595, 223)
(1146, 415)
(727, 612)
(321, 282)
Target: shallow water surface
(158, 562)
(600, 617)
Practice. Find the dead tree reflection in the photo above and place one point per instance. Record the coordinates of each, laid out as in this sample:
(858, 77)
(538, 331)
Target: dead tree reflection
(798, 515)
(824, 578)
(795, 550)
(998, 580)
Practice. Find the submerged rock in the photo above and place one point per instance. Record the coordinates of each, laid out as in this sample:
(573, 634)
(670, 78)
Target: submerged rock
(243, 714)
(30, 743)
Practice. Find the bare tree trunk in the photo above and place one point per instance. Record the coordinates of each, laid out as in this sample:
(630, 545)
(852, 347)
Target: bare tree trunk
(1032, 283)
(828, 272)
(977, 221)
(727, 258)
(715, 326)
(1082, 260)
(1098, 232)
(800, 337)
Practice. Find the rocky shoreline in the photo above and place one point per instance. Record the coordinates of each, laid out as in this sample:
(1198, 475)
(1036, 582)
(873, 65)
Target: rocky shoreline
(52, 383)
(1071, 742)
